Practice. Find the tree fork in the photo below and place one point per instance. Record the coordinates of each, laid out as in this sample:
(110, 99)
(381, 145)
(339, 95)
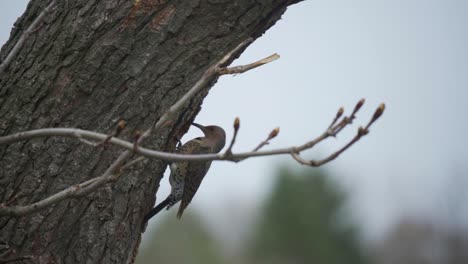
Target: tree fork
(88, 64)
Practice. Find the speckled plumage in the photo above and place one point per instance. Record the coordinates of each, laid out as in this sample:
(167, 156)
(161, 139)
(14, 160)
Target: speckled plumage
(186, 177)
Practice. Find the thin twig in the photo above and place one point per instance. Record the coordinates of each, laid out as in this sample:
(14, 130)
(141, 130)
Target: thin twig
(236, 130)
(265, 142)
(114, 170)
(334, 155)
(338, 115)
(348, 120)
(133, 162)
(212, 72)
(67, 193)
(112, 173)
(24, 36)
(118, 129)
(9, 201)
(244, 68)
(167, 156)
(362, 131)
(85, 141)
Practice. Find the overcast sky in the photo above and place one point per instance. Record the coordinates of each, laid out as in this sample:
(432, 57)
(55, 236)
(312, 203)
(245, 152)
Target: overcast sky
(410, 54)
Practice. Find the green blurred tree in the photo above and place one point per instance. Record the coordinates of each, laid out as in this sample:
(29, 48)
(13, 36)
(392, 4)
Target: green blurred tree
(301, 223)
(184, 241)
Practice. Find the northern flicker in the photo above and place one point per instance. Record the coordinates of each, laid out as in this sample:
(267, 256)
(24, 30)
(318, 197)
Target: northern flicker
(187, 176)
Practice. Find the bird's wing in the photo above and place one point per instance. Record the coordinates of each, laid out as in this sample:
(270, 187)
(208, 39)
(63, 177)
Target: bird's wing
(191, 146)
(196, 170)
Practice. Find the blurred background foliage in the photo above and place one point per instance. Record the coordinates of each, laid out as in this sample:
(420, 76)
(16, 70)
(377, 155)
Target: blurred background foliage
(184, 241)
(305, 219)
(302, 221)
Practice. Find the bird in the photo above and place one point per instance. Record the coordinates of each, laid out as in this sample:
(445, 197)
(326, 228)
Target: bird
(186, 176)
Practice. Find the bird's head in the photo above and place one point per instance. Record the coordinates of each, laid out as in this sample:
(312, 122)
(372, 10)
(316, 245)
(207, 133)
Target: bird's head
(214, 135)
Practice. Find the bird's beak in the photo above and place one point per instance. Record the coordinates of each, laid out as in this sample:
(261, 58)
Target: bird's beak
(202, 128)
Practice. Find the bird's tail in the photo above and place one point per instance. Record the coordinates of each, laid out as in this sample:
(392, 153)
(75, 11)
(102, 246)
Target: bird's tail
(156, 210)
(180, 212)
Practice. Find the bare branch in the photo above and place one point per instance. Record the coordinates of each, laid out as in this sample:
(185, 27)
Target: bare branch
(70, 132)
(211, 73)
(88, 142)
(317, 163)
(25, 35)
(360, 133)
(244, 68)
(67, 193)
(112, 172)
(70, 192)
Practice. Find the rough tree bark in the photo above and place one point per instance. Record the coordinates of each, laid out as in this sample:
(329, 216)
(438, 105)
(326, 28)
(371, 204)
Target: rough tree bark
(89, 64)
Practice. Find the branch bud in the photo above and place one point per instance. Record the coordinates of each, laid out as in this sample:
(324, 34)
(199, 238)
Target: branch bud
(120, 126)
(236, 123)
(339, 113)
(378, 112)
(137, 135)
(362, 131)
(137, 139)
(359, 105)
(274, 133)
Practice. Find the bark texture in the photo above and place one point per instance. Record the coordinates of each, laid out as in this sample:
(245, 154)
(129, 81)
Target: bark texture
(89, 64)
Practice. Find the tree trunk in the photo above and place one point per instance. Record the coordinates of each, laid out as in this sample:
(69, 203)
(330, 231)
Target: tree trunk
(87, 65)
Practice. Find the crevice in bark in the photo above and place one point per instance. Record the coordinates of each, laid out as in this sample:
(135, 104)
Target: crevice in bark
(88, 65)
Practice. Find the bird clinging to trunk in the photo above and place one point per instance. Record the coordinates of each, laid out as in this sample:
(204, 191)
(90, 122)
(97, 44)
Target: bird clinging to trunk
(187, 176)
